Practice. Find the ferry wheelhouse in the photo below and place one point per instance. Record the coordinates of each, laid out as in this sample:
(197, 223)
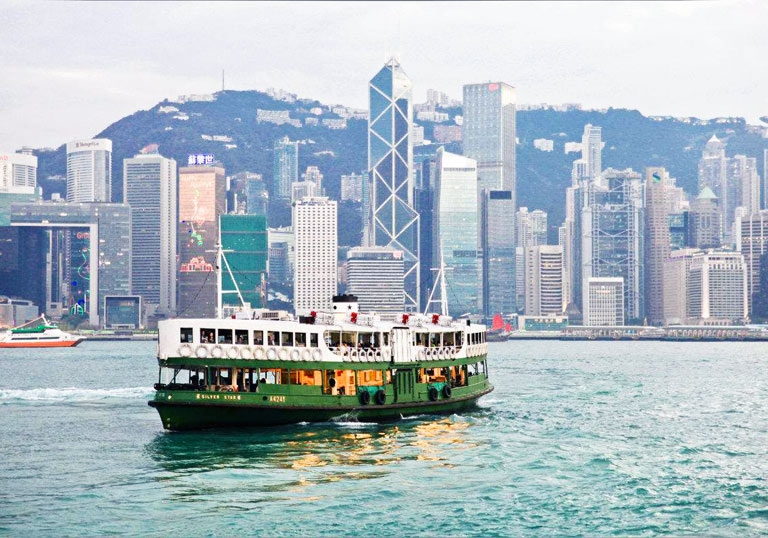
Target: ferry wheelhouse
(38, 333)
(268, 368)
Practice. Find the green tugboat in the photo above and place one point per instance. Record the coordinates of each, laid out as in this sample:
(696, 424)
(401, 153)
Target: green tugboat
(265, 368)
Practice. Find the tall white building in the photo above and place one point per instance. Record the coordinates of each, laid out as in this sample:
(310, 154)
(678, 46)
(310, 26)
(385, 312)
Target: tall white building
(752, 241)
(316, 244)
(592, 150)
(531, 227)
(303, 189)
(604, 305)
(375, 275)
(717, 288)
(18, 170)
(150, 188)
(89, 170)
(544, 280)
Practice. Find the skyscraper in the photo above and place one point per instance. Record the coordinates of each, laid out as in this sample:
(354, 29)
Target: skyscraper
(316, 243)
(531, 227)
(488, 134)
(395, 222)
(544, 280)
(313, 174)
(765, 178)
(706, 220)
(18, 170)
(592, 150)
(752, 242)
(657, 242)
(612, 232)
(498, 248)
(717, 287)
(244, 239)
(202, 199)
(149, 188)
(303, 189)
(456, 231)
(604, 304)
(743, 184)
(89, 170)
(352, 188)
(286, 170)
(375, 277)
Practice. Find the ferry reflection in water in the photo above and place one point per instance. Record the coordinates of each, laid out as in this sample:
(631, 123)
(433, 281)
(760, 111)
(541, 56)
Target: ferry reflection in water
(293, 457)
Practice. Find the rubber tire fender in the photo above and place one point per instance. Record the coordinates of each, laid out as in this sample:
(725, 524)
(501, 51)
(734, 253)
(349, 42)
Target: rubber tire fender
(365, 397)
(447, 392)
(381, 397)
(433, 394)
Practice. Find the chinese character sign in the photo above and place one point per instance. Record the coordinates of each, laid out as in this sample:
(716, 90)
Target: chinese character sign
(200, 158)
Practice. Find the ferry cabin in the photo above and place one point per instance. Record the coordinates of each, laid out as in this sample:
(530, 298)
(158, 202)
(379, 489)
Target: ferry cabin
(307, 361)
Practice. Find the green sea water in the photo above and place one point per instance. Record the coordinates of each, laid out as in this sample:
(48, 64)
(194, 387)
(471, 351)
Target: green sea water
(579, 438)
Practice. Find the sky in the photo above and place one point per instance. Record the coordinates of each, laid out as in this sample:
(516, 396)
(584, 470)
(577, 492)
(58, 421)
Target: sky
(70, 69)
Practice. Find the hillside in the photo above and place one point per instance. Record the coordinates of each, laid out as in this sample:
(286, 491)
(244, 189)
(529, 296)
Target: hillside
(632, 140)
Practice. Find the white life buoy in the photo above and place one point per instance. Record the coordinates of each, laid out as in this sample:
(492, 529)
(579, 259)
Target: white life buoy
(295, 355)
(422, 354)
(258, 353)
(201, 352)
(246, 353)
(232, 352)
(271, 354)
(185, 350)
(371, 355)
(282, 354)
(305, 355)
(378, 354)
(217, 352)
(317, 354)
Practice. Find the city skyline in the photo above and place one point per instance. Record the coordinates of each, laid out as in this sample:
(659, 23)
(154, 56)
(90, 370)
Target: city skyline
(679, 41)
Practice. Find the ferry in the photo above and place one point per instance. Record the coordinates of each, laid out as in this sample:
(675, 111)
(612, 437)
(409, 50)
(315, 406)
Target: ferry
(38, 333)
(263, 368)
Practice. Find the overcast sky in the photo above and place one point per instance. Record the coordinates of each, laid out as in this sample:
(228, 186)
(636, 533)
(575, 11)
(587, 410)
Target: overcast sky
(69, 69)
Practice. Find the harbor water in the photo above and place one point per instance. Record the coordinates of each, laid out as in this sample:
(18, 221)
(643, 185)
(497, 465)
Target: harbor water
(579, 438)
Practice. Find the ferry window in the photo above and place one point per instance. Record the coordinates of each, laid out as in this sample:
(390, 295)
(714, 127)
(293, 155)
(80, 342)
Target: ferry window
(273, 338)
(480, 368)
(301, 340)
(241, 337)
(306, 377)
(258, 338)
(448, 339)
(386, 339)
(376, 339)
(365, 339)
(434, 339)
(333, 338)
(186, 335)
(287, 339)
(340, 383)
(313, 340)
(206, 336)
(421, 339)
(225, 336)
(459, 338)
(370, 378)
(349, 339)
(270, 376)
(472, 369)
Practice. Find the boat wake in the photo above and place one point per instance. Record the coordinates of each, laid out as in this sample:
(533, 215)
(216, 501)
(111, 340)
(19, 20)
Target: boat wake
(72, 394)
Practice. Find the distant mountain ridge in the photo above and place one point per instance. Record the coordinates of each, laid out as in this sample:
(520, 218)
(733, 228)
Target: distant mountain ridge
(245, 144)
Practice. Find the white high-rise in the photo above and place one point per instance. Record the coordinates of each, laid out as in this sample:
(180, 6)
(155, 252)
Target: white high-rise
(544, 280)
(375, 275)
(89, 170)
(18, 170)
(150, 188)
(604, 304)
(592, 150)
(316, 244)
(352, 187)
(314, 175)
(303, 189)
(717, 288)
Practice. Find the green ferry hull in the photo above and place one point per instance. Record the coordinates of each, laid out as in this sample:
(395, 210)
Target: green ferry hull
(189, 413)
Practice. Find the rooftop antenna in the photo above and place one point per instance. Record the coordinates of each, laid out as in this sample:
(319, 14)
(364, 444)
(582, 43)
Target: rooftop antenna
(439, 281)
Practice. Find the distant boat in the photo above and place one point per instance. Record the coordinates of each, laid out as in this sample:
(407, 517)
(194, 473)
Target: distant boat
(38, 333)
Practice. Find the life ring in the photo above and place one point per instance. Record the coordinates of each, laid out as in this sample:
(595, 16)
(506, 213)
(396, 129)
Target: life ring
(447, 392)
(432, 393)
(331, 382)
(378, 354)
(422, 354)
(282, 354)
(232, 352)
(371, 355)
(258, 353)
(295, 355)
(217, 352)
(381, 397)
(305, 354)
(201, 352)
(317, 354)
(365, 397)
(185, 350)
(354, 355)
(246, 353)
(271, 354)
